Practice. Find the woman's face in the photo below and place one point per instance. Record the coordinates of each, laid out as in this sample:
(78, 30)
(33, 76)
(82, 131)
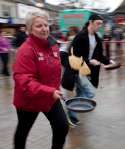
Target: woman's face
(40, 28)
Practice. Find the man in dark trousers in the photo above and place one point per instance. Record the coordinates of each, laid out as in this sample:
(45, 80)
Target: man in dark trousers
(88, 45)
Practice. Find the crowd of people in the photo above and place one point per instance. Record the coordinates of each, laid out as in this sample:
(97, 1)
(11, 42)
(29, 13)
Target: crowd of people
(40, 83)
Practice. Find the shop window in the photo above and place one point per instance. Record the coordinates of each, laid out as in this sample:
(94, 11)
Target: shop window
(6, 10)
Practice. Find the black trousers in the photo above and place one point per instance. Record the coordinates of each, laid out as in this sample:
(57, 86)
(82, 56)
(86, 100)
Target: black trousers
(58, 122)
(5, 59)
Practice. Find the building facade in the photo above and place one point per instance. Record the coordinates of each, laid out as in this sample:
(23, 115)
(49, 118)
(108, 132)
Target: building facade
(12, 13)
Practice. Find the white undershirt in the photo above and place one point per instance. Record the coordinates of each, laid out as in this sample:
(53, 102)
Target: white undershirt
(64, 47)
(92, 45)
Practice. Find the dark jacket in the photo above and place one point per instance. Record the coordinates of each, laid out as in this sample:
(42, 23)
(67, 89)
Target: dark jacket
(69, 75)
(37, 74)
(19, 39)
(81, 48)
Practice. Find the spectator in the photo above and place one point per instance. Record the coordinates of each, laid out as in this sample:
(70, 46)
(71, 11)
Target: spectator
(20, 37)
(5, 47)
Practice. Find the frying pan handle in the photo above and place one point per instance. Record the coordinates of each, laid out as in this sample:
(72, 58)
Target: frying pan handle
(64, 98)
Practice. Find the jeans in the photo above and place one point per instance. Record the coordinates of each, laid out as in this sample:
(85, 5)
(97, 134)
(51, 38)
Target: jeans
(84, 89)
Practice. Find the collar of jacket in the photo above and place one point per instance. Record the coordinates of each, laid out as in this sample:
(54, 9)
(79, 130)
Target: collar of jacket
(42, 42)
(85, 31)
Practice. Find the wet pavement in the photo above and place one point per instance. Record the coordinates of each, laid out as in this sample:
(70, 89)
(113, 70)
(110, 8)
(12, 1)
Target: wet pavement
(102, 128)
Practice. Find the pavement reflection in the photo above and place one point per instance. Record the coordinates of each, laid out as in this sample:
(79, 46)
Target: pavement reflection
(102, 128)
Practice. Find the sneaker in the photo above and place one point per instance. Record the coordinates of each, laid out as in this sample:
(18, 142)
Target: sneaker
(72, 125)
(75, 120)
(72, 121)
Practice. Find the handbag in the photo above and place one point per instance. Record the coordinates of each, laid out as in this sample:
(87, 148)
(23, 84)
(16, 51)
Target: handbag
(74, 61)
(84, 69)
(77, 63)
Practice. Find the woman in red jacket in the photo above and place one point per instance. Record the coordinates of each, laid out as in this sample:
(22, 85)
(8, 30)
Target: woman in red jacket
(37, 74)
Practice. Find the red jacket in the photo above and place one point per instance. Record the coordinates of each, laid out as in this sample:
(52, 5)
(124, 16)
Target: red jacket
(37, 74)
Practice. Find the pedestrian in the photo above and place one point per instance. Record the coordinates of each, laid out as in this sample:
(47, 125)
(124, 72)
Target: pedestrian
(73, 31)
(5, 47)
(20, 37)
(107, 38)
(37, 75)
(118, 37)
(88, 45)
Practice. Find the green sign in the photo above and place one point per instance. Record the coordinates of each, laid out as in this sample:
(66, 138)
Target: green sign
(73, 17)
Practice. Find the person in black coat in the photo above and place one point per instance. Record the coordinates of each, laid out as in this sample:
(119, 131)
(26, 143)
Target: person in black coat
(87, 44)
(20, 37)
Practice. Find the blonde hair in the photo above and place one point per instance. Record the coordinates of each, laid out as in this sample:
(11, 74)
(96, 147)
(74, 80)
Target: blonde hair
(32, 15)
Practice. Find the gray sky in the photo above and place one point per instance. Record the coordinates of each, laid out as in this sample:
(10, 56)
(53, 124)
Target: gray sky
(111, 4)
(55, 2)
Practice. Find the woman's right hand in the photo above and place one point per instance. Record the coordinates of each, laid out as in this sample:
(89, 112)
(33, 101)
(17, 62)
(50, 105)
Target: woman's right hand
(57, 94)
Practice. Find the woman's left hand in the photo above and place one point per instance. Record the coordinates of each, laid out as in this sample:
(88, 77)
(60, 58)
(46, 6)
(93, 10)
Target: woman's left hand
(57, 94)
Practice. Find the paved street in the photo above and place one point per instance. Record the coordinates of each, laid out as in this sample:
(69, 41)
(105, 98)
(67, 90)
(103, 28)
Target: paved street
(103, 128)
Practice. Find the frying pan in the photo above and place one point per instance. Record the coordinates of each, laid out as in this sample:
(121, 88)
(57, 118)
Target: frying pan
(112, 66)
(79, 104)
